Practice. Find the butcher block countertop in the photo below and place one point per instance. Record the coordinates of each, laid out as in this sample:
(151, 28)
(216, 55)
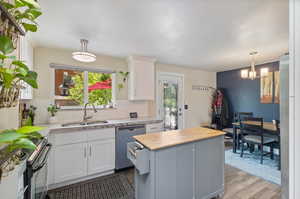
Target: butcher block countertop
(155, 141)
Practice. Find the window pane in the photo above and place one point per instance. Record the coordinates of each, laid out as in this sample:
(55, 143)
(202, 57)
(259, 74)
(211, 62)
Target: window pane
(100, 88)
(69, 87)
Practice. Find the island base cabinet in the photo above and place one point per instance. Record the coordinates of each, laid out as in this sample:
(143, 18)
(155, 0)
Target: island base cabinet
(188, 171)
(174, 168)
(209, 172)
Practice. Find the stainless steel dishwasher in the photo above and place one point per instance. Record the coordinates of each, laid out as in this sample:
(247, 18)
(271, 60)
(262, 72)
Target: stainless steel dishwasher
(123, 136)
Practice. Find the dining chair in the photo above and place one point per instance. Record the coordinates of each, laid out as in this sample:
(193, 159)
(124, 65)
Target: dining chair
(253, 134)
(276, 144)
(236, 118)
(240, 117)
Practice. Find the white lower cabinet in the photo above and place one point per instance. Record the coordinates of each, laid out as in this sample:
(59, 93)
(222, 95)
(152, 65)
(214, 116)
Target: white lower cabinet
(91, 153)
(101, 156)
(70, 162)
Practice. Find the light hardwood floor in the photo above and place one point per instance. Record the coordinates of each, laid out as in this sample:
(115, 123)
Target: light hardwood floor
(241, 185)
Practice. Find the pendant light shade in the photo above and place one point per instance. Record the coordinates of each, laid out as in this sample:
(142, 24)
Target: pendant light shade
(84, 55)
(251, 74)
(244, 73)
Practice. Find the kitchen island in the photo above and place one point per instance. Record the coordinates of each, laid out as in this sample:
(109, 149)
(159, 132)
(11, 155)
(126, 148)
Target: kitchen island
(181, 164)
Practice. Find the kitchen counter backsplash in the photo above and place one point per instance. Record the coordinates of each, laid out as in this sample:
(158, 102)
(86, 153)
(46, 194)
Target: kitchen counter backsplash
(55, 128)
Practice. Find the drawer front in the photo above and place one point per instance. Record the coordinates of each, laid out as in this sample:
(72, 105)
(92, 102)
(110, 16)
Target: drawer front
(69, 137)
(140, 158)
(100, 134)
(154, 128)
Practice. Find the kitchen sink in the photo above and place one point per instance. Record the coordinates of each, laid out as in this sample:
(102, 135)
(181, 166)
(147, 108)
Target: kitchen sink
(85, 123)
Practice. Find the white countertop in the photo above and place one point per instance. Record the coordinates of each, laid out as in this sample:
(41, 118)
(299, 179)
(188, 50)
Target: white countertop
(49, 128)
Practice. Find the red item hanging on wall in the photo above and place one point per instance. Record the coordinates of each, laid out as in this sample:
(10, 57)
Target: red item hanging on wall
(219, 100)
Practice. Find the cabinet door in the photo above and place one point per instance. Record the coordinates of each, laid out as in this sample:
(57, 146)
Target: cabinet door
(175, 172)
(101, 156)
(142, 79)
(70, 162)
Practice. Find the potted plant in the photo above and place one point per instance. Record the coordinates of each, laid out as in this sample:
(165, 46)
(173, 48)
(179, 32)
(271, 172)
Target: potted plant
(12, 141)
(124, 76)
(52, 109)
(15, 18)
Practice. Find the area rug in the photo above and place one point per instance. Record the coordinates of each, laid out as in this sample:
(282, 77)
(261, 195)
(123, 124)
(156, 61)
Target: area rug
(115, 186)
(250, 163)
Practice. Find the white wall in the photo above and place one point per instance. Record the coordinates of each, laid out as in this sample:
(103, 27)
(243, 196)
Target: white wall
(9, 118)
(198, 101)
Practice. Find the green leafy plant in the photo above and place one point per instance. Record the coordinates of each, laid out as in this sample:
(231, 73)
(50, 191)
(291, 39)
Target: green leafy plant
(25, 13)
(20, 138)
(124, 76)
(15, 70)
(12, 70)
(52, 109)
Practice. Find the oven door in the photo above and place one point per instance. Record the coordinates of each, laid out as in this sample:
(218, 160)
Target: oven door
(39, 184)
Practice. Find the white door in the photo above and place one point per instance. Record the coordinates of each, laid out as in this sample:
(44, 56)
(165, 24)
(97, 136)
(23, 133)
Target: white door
(101, 156)
(170, 100)
(70, 162)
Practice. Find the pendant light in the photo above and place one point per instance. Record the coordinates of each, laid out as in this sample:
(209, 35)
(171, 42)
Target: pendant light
(84, 55)
(246, 74)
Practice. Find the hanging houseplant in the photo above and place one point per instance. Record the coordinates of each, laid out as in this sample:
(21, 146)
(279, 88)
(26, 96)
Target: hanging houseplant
(124, 76)
(14, 18)
(53, 109)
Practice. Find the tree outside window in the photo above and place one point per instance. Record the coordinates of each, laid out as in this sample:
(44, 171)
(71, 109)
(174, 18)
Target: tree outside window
(75, 88)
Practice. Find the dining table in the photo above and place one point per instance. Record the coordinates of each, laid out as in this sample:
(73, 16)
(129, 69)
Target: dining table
(268, 127)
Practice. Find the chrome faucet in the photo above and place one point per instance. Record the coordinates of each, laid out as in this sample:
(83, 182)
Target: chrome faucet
(85, 117)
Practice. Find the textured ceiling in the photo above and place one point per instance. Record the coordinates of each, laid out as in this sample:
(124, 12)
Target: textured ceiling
(213, 35)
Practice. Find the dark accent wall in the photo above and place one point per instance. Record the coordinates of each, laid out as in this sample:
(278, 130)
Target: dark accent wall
(244, 95)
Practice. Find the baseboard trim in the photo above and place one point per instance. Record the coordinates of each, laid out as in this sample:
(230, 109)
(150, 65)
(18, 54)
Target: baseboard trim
(69, 182)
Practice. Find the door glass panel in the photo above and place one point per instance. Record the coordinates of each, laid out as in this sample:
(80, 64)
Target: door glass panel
(170, 103)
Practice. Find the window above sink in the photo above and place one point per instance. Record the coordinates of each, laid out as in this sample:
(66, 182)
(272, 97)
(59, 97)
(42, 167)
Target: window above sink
(76, 86)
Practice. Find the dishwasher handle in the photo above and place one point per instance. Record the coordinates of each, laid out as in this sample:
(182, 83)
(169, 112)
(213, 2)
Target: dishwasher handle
(132, 128)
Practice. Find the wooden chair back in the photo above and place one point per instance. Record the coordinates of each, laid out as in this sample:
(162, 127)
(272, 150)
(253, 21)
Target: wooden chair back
(252, 129)
(243, 115)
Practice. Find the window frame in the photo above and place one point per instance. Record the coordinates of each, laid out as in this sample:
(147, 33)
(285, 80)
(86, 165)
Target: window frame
(85, 71)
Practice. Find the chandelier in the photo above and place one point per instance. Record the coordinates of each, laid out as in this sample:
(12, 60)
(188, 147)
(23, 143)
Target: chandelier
(251, 74)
